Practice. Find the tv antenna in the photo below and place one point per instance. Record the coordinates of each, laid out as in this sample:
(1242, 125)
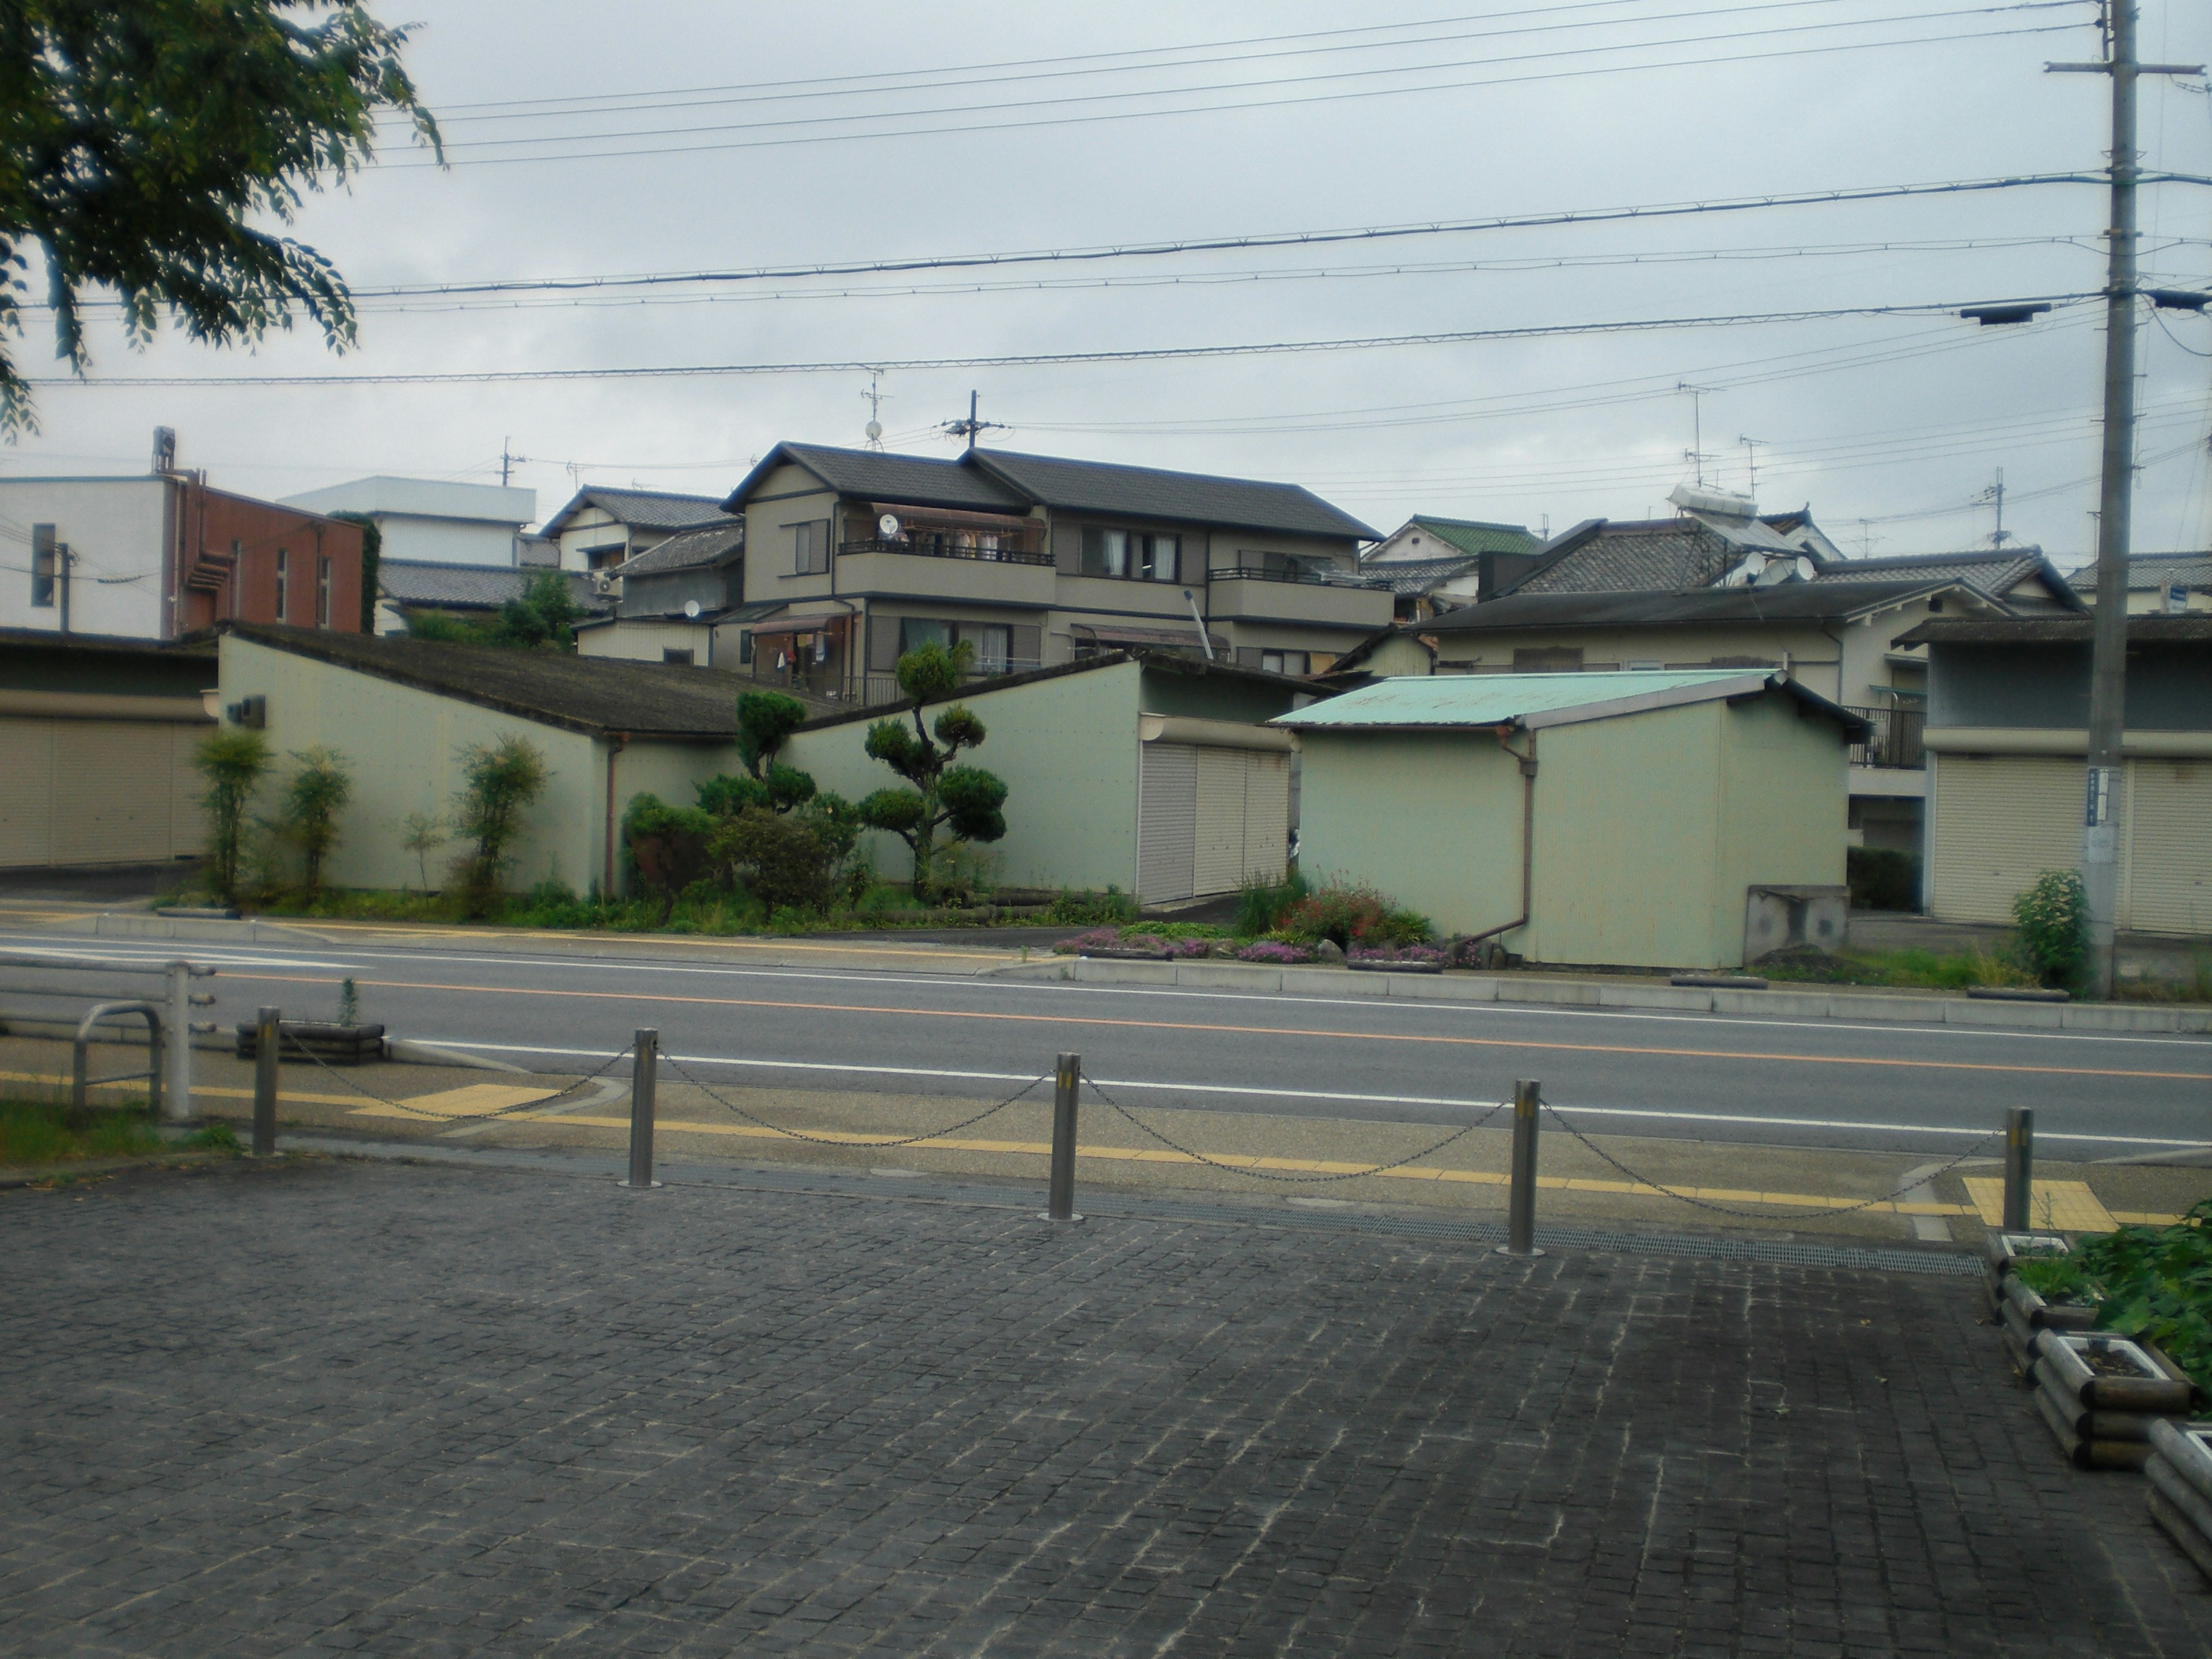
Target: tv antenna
(970, 428)
(1695, 454)
(1994, 496)
(1751, 448)
(875, 396)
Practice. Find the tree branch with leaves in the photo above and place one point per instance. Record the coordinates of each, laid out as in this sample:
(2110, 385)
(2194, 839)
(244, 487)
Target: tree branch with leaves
(965, 799)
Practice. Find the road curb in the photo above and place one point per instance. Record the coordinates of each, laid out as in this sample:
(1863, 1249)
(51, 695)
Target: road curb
(1809, 1003)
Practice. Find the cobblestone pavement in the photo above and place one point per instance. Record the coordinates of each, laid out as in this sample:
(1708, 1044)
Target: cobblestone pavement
(402, 1410)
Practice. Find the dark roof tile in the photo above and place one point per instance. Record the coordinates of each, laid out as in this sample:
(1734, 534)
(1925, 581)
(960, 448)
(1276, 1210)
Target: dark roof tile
(689, 549)
(1145, 492)
(428, 584)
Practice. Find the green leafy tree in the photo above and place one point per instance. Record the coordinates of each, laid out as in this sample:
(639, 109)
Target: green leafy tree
(965, 799)
(316, 794)
(501, 782)
(765, 719)
(543, 616)
(2053, 918)
(233, 760)
(423, 834)
(138, 144)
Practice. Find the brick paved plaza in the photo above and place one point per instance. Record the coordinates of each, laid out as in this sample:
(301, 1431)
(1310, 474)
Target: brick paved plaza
(424, 1411)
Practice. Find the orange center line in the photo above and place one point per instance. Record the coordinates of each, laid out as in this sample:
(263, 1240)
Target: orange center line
(1247, 1031)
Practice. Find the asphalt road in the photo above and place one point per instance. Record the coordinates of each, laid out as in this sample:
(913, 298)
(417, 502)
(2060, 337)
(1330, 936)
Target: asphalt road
(1777, 1082)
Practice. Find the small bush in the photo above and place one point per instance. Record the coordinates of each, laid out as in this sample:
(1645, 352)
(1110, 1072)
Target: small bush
(2053, 919)
(216, 1137)
(2152, 1282)
(1274, 951)
(782, 860)
(1261, 904)
(315, 794)
(233, 760)
(1073, 909)
(667, 845)
(1350, 916)
(1883, 878)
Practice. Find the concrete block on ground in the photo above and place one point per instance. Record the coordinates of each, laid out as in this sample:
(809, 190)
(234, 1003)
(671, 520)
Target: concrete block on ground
(1229, 976)
(1927, 1010)
(1574, 993)
(1095, 970)
(1694, 998)
(2010, 1016)
(1779, 1005)
(2133, 1017)
(1443, 988)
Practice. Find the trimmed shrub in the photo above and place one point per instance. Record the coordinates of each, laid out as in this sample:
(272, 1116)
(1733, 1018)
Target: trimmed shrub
(2053, 919)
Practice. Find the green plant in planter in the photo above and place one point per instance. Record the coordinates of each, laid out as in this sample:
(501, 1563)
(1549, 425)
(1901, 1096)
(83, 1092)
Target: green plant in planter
(233, 760)
(501, 780)
(2053, 919)
(316, 794)
(2151, 1282)
(965, 799)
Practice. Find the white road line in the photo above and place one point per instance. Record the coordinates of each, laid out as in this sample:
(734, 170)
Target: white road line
(1402, 1005)
(1647, 1113)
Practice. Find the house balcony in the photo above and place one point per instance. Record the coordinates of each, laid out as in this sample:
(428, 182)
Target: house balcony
(939, 571)
(1250, 593)
(1895, 742)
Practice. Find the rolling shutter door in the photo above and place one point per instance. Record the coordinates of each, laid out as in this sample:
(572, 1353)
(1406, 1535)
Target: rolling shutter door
(1267, 815)
(112, 789)
(1999, 822)
(1218, 864)
(1167, 822)
(27, 795)
(2169, 842)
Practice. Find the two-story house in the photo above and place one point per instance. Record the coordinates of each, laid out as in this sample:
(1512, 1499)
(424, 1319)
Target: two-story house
(602, 530)
(853, 556)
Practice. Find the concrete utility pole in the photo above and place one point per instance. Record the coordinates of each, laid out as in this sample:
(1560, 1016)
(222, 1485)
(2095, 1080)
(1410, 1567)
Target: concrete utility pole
(2109, 649)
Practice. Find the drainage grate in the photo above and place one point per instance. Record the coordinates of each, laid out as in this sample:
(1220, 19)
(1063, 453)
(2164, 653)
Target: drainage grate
(1095, 1201)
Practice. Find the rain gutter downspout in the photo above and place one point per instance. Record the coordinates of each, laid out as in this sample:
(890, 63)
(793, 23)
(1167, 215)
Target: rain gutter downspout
(1527, 832)
(617, 741)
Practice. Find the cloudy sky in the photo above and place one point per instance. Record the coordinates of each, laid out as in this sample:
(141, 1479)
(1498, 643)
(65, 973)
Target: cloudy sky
(672, 140)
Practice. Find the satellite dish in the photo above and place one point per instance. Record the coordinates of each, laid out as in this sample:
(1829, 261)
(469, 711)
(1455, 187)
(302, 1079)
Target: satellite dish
(888, 527)
(692, 609)
(875, 430)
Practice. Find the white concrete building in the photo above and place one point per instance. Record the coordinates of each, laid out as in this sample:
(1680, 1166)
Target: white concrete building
(428, 519)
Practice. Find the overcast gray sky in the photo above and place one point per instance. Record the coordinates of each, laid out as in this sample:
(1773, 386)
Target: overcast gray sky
(760, 140)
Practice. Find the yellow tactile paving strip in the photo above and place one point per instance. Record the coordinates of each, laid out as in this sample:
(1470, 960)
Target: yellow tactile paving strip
(2066, 1206)
(474, 1100)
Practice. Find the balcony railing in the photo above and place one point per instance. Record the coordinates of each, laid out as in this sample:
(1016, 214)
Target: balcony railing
(1895, 740)
(1257, 573)
(925, 546)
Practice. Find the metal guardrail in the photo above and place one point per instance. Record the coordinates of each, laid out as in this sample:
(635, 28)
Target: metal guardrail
(168, 1019)
(1895, 741)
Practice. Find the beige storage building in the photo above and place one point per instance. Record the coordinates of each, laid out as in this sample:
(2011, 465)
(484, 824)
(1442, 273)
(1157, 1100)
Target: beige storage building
(1619, 819)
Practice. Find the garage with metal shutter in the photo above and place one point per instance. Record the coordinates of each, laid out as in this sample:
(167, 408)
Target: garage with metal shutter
(1213, 807)
(98, 792)
(1999, 820)
(2168, 874)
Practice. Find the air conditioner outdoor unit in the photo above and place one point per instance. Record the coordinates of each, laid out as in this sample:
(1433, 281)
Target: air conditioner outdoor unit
(603, 581)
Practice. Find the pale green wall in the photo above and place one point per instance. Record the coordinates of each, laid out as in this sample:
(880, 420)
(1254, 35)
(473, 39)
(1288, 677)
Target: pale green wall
(1066, 749)
(1429, 820)
(403, 747)
(1649, 827)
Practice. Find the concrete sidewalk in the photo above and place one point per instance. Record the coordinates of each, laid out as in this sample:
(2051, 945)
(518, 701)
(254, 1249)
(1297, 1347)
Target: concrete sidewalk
(323, 1405)
(1272, 1162)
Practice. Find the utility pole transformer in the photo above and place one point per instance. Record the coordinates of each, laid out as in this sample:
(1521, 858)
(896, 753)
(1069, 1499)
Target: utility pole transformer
(2109, 649)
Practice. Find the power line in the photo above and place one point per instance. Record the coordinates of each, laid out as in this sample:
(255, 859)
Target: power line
(1025, 123)
(1011, 360)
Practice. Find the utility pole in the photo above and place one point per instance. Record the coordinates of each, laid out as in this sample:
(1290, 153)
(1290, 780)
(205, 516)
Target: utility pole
(2109, 642)
(970, 428)
(508, 460)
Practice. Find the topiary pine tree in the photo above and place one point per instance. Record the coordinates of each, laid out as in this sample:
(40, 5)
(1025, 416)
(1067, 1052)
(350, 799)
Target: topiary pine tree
(965, 799)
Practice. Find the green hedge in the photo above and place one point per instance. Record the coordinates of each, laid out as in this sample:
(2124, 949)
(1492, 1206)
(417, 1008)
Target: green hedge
(1883, 878)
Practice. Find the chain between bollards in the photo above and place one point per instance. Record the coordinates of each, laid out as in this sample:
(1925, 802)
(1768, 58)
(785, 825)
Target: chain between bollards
(2019, 1168)
(643, 1077)
(1060, 1192)
(1521, 1199)
(268, 1025)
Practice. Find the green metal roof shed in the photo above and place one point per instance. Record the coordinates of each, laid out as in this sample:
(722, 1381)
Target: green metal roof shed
(1626, 819)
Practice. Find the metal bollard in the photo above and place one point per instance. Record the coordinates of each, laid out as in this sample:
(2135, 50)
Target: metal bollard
(1066, 1088)
(1521, 1202)
(643, 1076)
(176, 1057)
(269, 1027)
(2019, 1168)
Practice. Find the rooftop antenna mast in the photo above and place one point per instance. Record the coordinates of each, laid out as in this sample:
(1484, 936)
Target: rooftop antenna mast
(1695, 454)
(970, 428)
(1994, 496)
(875, 396)
(1751, 446)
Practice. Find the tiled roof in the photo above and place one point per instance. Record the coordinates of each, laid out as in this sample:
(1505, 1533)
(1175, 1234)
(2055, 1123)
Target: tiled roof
(1662, 555)
(1145, 492)
(646, 509)
(1993, 571)
(1474, 536)
(1448, 701)
(995, 481)
(593, 695)
(2159, 570)
(689, 548)
(1407, 577)
(2145, 628)
(1820, 602)
(870, 475)
(426, 584)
